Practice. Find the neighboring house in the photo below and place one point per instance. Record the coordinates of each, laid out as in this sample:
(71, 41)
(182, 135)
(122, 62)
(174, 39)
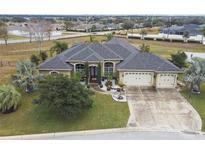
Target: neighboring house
(192, 29)
(134, 68)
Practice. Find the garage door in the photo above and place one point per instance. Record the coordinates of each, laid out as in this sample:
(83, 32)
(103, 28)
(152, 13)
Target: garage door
(138, 78)
(166, 81)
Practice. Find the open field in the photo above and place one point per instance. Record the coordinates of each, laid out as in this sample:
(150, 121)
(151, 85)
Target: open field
(31, 119)
(165, 49)
(14, 37)
(11, 53)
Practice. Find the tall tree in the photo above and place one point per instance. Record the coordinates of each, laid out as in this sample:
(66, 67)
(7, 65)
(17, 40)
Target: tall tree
(39, 29)
(143, 32)
(26, 76)
(203, 34)
(68, 25)
(4, 32)
(179, 59)
(9, 98)
(58, 47)
(195, 75)
(186, 36)
(63, 96)
(128, 24)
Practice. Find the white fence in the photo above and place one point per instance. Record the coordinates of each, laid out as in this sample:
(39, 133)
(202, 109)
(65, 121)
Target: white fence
(168, 37)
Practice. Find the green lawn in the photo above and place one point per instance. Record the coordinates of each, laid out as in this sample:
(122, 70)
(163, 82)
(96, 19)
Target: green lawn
(198, 102)
(30, 118)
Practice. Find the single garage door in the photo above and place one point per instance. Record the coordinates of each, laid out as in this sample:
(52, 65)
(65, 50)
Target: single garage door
(166, 80)
(138, 78)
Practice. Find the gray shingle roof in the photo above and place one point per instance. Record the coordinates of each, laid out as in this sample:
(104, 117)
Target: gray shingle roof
(147, 61)
(123, 43)
(116, 49)
(55, 63)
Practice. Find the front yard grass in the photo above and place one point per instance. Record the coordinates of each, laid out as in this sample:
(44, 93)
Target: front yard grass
(31, 119)
(198, 102)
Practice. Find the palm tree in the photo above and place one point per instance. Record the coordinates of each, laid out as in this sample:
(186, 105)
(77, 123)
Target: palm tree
(143, 32)
(109, 36)
(4, 32)
(9, 98)
(58, 47)
(185, 36)
(145, 48)
(195, 75)
(203, 35)
(27, 76)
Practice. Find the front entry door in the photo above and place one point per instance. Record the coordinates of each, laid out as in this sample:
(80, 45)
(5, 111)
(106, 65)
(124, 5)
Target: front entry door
(93, 73)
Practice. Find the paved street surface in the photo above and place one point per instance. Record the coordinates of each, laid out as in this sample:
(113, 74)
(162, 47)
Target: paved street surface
(77, 34)
(161, 109)
(112, 134)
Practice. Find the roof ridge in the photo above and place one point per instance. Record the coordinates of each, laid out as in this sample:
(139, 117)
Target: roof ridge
(111, 51)
(98, 56)
(78, 51)
(93, 54)
(132, 55)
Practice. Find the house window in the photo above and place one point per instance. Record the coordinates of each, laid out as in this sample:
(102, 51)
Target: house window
(80, 68)
(108, 68)
(53, 72)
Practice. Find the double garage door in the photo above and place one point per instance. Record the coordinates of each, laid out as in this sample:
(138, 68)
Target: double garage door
(138, 78)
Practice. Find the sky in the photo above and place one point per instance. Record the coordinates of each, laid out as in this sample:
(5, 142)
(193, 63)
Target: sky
(103, 7)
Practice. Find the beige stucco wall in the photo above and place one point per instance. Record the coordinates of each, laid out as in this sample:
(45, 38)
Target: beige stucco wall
(158, 81)
(115, 62)
(46, 72)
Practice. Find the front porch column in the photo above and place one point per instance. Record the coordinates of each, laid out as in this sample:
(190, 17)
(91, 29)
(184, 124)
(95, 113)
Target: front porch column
(103, 69)
(74, 68)
(114, 67)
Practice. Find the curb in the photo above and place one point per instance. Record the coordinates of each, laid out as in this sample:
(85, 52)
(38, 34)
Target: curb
(51, 136)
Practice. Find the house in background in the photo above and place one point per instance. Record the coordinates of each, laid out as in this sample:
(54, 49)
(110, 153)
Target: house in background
(117, 56)
(192, 29)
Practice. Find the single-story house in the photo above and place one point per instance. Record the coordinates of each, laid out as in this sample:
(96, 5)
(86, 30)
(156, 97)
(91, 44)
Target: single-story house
(192, 29)
(134, 68)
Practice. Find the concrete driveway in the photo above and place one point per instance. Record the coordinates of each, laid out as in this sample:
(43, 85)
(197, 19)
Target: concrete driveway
(162, 109)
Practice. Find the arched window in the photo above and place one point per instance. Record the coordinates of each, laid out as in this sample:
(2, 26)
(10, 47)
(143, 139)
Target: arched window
(79, 67)
(108, 67)
(53, 72)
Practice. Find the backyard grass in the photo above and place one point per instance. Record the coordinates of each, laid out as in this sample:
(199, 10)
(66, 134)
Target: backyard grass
(14, 37)
(165, 49)
(31, 119)
(13, 53)
(198, 102)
